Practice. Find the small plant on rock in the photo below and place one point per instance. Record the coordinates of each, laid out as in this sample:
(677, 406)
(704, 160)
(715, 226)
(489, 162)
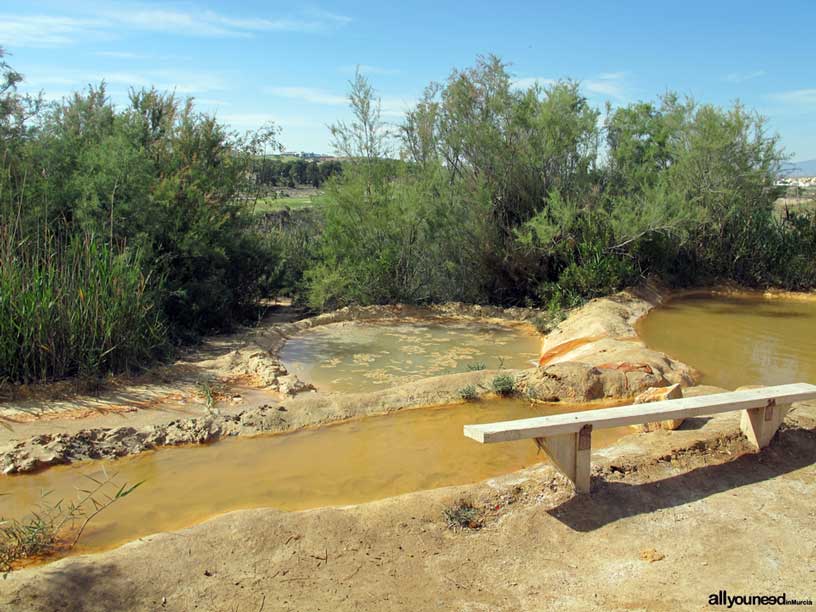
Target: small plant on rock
(468, 393)
(476, 366)
(211, 394)
(504, 385)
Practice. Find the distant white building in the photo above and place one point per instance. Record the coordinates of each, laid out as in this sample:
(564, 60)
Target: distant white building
(799, 181)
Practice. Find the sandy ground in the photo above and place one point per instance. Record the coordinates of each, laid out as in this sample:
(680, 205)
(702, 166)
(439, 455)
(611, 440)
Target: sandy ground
(674, 517)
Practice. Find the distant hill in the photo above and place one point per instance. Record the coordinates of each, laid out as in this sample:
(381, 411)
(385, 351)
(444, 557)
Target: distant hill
(800, 168)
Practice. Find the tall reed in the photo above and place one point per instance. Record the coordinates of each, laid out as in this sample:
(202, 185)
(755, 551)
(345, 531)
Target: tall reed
(72, 306)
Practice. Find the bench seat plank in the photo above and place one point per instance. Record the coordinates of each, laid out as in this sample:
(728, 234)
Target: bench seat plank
(686, 407)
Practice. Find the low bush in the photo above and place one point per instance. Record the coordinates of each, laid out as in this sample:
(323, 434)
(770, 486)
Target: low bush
(503, 384)
(468, 393)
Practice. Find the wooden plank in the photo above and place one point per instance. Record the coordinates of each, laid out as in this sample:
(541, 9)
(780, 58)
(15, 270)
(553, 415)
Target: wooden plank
(570, 453)
(759, 425)
(540, 427)
(583, 460)
(562, 451)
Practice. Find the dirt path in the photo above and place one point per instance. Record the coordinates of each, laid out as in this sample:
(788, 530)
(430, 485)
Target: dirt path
(657, 534)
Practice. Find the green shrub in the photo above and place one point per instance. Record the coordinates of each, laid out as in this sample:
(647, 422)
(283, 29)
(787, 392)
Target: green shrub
(121, 227)
(468, 393)
(500, 195)
(503, 384)
(154, 175)
(475, 366)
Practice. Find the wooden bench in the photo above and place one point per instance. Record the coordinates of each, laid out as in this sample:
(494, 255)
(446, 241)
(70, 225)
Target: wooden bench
(567, 438)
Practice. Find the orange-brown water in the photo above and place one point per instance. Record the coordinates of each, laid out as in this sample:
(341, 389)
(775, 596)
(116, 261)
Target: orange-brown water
(737, 340)
(351, 462)
(366, 356)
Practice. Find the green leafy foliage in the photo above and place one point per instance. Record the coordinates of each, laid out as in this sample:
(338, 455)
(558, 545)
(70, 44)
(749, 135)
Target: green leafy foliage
(121, 228)
(505, 198)
(158, 177)
(276, 172)
(501, 194)
(391, 233)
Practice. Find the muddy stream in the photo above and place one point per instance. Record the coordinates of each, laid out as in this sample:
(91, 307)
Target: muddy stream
(352, 462)
(359, 357)
(739, 339)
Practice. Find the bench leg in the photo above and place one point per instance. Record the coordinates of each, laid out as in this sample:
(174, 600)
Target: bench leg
(760, 424)
(571, 455)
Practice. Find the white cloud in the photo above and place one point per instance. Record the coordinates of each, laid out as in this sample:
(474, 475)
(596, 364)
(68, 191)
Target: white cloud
(207, 23)
(183, 83)
(390, 106)
(609, 84)
(368, 69)
(741, 77)
(253, 121)
(527, 82)
(396, 107)
(797, 97)
(308, 94)
(606, 84)
(210, 23)
(56, 30)
(44, 30)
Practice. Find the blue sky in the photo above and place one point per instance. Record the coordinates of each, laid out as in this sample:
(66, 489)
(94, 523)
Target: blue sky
(252, 62)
